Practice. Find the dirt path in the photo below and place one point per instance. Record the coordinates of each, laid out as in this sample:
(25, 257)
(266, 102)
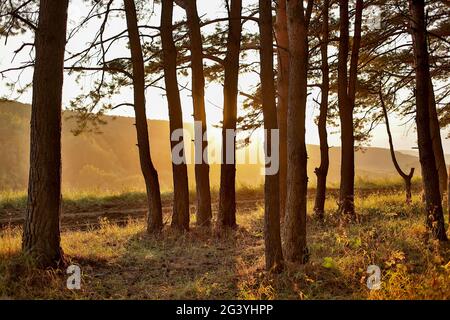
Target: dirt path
(121, 213)
(91, 219)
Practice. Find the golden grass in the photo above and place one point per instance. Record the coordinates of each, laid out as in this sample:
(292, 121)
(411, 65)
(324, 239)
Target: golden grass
(92, 199)
(123, 262)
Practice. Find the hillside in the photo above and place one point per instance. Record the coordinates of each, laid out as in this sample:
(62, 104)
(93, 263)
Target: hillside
(110, 160)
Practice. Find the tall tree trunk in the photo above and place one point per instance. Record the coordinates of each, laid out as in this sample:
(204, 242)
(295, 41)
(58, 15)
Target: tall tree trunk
(322, 171)
(154, 217)
(353, 78)
(41, 235)
(180, 217)
(272, 238)
(297, 181)
(346, 115)
(204, 213)
(282, 41)
(448, 196)
(406, 177)
(346, 101)
(227, 196)
(430, 176)
(437, 142)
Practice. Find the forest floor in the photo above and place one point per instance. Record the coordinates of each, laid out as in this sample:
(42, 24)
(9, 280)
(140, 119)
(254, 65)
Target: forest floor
(119, 260)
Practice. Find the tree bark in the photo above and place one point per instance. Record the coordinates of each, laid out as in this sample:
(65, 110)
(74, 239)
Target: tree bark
(282, 41)
(295, 220)
(204, 213)
(430, 176)
(272, 238)
(346, 102)
(227, 195)
(180, 217)
(353, 78)
(437, 142)
(154, 216)
(345, 114)
(406, 177)
(41, 235)
(408, 187)
(322, 171)
(448, 196)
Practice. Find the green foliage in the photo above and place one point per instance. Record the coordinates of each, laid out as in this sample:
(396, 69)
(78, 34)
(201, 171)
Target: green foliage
(328, 263)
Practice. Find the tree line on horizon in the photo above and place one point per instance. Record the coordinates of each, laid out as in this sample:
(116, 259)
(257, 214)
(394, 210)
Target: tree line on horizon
(361, 78)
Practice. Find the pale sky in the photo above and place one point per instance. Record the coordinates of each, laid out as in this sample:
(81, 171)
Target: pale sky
(404, 136)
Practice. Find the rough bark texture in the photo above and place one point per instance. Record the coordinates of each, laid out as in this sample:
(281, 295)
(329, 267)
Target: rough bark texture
(353, 78)
(204, 213)
(272, 238)
(295, 220)
(227, 195)
(345, 115)
(282, 42)
(322, 171)
(41, 235)
(406, 177)
(437, 142)
(448, 196)
(180, 217)
(430, 176)
(346, 102)
(154, 217)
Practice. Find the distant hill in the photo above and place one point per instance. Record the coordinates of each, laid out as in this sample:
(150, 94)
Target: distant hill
(415, 153)
(110, 160)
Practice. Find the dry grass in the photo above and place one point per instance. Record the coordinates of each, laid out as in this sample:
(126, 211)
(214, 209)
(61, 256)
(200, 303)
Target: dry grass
(14, 201)
(123, 262)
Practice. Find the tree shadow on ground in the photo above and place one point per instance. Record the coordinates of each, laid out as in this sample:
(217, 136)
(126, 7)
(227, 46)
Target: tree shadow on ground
(199, 264)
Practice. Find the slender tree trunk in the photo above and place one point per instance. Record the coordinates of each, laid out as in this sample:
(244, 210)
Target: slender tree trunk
(227, 197)
(353, 78)
(297, 181)
(41, 235)
(346, 115)
(406, 177)
(408, 187)
(282, 41)
(204, 213)
(346, 101)
(154, 217)
(180, 217)
(437, 142)
(322, 171)
(430, 176)
(272, 238)
(448, 196)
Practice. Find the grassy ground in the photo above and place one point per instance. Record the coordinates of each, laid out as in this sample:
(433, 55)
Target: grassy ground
(124, 262)
(14, 202)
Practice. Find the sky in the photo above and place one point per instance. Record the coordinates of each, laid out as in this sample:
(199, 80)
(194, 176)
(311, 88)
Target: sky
(404, 135)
